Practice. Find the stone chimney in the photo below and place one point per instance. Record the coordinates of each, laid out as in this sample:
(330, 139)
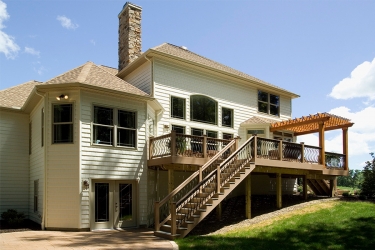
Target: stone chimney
(129, 31)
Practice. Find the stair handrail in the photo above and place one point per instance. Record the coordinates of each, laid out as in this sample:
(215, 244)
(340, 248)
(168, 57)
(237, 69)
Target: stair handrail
(215, 174)
(158, 204)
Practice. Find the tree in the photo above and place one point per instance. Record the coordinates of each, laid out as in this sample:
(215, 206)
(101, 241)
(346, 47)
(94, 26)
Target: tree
(368, 185)
(353, 180)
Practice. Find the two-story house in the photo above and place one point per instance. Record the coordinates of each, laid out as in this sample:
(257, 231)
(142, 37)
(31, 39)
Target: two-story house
(161, 140)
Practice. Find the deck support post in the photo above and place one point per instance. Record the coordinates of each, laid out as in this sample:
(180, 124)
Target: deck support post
(170, 181)
(278, 191)
(304, 187)
(248, 196)
(345, 147)
(157, 216)
(157, 183)
(322, 144)
(218, 211)
(332, 189)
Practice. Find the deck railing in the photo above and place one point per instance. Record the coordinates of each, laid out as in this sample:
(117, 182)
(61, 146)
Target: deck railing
(297, 152)
(174, 144)
(204, 147)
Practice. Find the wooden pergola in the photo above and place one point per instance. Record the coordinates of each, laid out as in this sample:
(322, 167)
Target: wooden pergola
(318, 123)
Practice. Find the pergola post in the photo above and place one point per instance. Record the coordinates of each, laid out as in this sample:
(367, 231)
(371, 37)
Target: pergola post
(321, 144)
(345, 147)
(248, 196)
(278, 191)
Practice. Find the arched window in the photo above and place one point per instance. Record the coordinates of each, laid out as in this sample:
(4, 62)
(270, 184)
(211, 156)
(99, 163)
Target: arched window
(203, 109)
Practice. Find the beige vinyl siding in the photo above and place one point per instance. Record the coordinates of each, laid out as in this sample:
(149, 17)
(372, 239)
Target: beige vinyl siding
(141, 77)
(63, 182)
(174, 80)
(36, 163)
(285, 108)
(14, 161)
(108, 162)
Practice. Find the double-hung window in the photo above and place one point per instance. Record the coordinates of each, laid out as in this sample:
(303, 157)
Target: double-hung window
(114, 127)
(126, 129)
(62, 123)
(177, 107)
(268, 103)
(227, 117)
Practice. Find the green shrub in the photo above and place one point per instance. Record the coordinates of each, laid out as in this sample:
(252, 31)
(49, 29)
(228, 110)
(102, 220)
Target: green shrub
(362, 197)
(12, 217)
(346, 194)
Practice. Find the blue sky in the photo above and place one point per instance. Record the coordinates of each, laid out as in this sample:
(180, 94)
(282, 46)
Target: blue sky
(322, 50)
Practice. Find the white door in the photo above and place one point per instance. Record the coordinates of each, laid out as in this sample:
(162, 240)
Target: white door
(113, 204)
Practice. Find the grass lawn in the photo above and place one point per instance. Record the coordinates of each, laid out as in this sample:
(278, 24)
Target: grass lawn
(328, 225)
(348, 189)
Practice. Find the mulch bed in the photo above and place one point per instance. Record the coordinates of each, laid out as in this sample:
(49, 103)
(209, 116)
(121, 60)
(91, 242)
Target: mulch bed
(27, 225)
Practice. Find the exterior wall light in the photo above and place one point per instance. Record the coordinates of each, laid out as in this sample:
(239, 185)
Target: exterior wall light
(86, 184)
(62, 97)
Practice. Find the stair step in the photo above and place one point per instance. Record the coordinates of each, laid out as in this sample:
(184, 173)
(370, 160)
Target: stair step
(166, 235)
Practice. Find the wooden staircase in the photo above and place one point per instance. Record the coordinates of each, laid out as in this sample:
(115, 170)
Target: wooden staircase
(319, 187)
(216, 179)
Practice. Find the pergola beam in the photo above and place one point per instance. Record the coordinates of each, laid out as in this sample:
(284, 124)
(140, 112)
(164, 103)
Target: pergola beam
(326, 129)
(297, 122)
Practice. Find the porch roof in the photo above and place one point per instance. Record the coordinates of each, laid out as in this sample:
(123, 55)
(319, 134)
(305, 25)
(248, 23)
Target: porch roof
(310, 124)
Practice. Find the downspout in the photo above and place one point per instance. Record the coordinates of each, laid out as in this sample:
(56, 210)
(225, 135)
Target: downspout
(45, 165)
(152, 76)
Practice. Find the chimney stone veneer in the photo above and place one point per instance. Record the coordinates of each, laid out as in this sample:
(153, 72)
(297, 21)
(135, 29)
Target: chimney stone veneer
(129, 44)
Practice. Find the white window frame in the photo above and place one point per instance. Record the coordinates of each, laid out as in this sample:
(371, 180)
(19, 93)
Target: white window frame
(269, 104)
(115, 127)
(62, 123)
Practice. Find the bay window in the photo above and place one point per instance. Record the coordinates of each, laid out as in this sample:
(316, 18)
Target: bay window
(63, 123)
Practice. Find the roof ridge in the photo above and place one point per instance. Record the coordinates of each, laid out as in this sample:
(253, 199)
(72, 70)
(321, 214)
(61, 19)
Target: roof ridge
(118, 78)
(84, 72)
(16, 86)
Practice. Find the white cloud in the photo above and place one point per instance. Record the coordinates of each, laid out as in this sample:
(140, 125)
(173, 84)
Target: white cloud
(67, 23)
(7, 43)
(361, 83)
(361, 135)
(38, 68)
(92, 41)
(32, 51)
(363, 123)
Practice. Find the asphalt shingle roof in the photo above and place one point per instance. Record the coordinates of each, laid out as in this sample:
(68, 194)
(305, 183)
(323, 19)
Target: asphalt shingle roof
(88, 73)
(16, 96)
(258, 120)
(98, 76)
